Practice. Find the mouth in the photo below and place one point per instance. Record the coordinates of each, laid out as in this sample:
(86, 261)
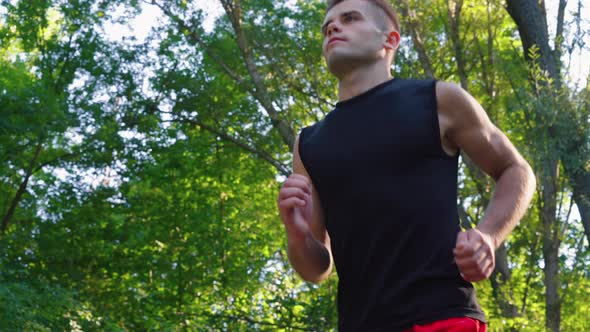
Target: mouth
(334, 40)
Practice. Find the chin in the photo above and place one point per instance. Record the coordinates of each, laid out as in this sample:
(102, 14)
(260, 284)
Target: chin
(337, 66)
(340, 63)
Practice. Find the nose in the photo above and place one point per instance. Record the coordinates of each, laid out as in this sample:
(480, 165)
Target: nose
(331, 28)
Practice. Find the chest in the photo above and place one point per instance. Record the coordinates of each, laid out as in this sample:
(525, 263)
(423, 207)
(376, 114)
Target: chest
(381, 139)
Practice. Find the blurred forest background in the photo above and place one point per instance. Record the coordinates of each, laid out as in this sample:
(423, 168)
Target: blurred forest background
(138, 172)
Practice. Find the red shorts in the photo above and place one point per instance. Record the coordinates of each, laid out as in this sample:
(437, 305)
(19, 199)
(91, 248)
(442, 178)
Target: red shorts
(463, 324)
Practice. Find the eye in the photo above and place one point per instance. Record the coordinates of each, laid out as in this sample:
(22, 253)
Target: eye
(348, 17)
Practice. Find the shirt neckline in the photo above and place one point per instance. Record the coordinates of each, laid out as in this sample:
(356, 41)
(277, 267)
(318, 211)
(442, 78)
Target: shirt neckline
(365, 94)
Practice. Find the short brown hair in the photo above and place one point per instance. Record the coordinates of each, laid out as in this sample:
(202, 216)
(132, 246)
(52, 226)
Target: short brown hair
(382, 4)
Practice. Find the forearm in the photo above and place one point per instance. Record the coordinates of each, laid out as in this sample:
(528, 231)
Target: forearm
(309, 258)
(512, 195)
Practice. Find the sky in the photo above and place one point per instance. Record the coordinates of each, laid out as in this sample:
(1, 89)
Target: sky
(580, 66)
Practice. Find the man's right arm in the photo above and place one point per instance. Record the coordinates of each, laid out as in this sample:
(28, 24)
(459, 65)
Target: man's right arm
(301, 212)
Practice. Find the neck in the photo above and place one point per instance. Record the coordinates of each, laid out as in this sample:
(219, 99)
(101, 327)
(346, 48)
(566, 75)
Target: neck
(362, 79)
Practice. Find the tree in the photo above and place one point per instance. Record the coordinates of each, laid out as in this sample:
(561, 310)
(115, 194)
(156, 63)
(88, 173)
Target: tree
(558, 143)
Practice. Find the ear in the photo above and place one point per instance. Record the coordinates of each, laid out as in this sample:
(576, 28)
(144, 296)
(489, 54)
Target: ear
(392, 41)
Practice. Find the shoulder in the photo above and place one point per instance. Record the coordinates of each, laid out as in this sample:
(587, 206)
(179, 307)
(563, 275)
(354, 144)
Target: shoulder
(463, 121)
(457, 105)
(308, 133)
(448, 94)
(305, 138)
(414, 82)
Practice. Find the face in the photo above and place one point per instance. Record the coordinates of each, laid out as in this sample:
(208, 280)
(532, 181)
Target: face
(352, 36)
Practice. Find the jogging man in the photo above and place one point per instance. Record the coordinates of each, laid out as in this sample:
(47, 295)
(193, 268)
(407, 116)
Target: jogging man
(374, 186)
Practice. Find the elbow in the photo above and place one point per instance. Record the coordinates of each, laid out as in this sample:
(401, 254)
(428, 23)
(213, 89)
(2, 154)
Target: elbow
(316, 281)
(531, 179)
(520, 170)
(312, 263)
(317, 278)
(528, 181)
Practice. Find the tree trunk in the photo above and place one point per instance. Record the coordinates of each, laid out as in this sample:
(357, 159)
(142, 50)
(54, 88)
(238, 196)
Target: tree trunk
(551, 245)
(454, 8)
(530, 17)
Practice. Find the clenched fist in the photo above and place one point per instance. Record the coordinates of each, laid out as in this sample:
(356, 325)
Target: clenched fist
(295, 206)
(474, 255)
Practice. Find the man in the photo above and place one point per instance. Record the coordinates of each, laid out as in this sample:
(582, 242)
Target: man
(374, 189)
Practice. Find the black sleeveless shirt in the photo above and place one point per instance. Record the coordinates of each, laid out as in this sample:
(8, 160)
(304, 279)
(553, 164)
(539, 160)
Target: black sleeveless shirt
(389, 195)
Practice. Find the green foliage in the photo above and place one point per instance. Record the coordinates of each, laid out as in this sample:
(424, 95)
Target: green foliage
(37, 304)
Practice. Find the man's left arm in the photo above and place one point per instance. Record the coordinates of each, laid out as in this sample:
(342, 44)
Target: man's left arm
(466, 126)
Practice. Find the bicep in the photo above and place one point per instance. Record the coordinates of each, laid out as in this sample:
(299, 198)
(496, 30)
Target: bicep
(472, 131)
(317, 222)
(489, 149)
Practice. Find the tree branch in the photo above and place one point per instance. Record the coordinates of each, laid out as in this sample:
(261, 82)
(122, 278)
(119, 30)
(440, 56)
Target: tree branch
(559, 39)
(410, 20)
(196, 38)
(261, 154)
(454, 16)
(260, 92)
(21, 189)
